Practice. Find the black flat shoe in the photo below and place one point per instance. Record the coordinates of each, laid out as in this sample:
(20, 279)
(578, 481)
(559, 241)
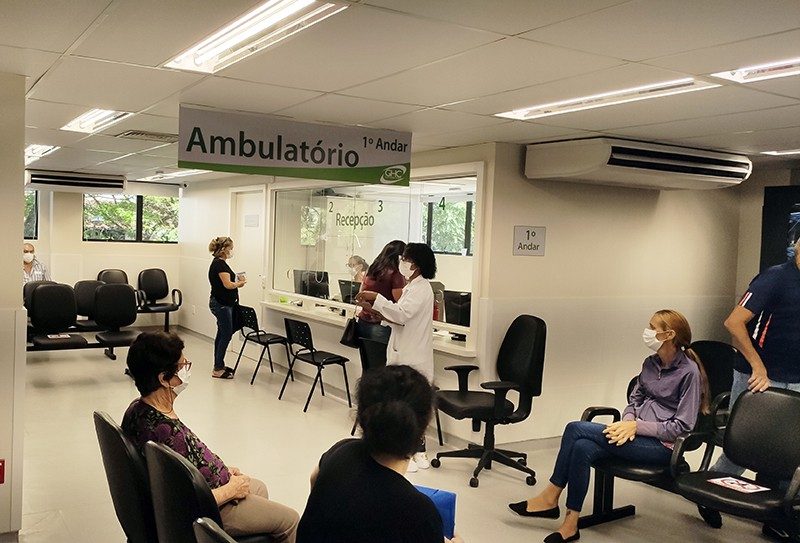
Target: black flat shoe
(710, 516)
(521, 508)
(556, 537)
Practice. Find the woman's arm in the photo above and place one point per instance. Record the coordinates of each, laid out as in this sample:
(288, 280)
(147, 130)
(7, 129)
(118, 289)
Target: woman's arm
(225, 277)
(407, 307)
(685, 416)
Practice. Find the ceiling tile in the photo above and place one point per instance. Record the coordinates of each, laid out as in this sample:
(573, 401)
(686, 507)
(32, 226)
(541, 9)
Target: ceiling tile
(511, 63)
(69, 159)
(27, 62)
(435, 121)
(151, 32)
(515, 16)
(141, 161)
(103, 143)
(45, 24)
(357, 45)
(244, 96)
(753, 142)
(45, 136)
(109, 85)
(645, 29)
(786, 86)
(335, 108)
(169, 151)
(41, 114)
(513, 131)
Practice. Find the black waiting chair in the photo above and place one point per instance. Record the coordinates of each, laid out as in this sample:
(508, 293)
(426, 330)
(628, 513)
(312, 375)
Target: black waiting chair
(373, 356)
(299, 333)
(761, 435)
(520, 365)
(27, 291)
(719, 359)
(115, 308)
(208, 531)
(153, 286)
(84, 300)
(180, 496)
(53, 312)
(112, 275)
(127, 481)
(252, 332)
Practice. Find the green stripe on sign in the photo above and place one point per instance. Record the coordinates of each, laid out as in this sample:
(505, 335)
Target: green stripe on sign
(374, 175)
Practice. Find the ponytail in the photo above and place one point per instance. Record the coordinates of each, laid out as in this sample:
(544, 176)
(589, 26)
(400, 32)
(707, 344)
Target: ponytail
(705, 404)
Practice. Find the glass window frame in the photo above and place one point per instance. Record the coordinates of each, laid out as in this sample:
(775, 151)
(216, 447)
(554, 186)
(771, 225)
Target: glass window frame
(138, 226)
(467, 243)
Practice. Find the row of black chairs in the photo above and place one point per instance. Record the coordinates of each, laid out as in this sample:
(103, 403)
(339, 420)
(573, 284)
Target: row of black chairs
(153, 290)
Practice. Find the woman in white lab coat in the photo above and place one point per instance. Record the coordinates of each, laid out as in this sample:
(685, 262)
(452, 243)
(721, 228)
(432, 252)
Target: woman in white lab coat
(410, 319)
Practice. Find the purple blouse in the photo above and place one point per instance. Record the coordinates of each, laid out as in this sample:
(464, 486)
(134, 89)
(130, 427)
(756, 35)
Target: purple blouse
(143, 423)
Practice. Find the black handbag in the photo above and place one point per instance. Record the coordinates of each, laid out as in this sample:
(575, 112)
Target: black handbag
(350, 335)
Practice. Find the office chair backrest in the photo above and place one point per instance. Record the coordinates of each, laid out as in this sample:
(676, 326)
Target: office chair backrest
(115, 306)
(521, 359)
(207, 531)
(718, 359)
(180, 494)
(53, 308)
(84, 297)
(763, 432)
(27, 291)
(153, 282)
(249, 318)
(127, 481)
(112, 275)
(299, 333)
(373, 354)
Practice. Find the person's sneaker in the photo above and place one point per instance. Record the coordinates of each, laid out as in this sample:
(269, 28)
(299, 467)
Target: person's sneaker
(412, 466)
(421, 459)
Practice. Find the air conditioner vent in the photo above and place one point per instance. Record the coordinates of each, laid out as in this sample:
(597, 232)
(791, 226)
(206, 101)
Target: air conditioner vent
(160, 137)
(74, 182)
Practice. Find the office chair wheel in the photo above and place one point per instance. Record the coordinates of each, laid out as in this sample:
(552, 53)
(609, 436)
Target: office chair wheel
(435, 462)
(473, 482)
(530, 480)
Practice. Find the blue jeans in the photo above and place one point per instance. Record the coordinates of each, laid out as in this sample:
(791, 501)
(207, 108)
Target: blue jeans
(224, 316)
(373, 330)
(738, 387)
(583, 443)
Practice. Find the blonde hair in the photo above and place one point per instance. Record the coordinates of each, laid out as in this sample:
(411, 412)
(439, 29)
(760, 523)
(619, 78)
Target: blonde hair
(675, 321)
(218, 245)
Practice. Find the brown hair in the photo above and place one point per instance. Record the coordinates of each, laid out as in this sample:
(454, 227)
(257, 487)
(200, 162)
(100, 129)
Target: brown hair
(218, 245)
(675, 321)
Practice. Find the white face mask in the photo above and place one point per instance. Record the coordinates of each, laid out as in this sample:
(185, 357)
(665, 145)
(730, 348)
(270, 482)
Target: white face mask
(405, 269)
(183, 374)
(352, 271)
(27, 257)
(649, 338)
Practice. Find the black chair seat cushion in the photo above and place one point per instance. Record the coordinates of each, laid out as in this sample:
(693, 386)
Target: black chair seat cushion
(254, 539)
(759, 505)
(625, 469)
(321, 358)
(74, 341)
(159, 308)
(89, 325)
(264, 338)
(470, 405)
(122, 338)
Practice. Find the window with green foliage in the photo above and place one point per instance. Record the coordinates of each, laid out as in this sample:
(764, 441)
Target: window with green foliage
(310, 225)
(31, 219)
(126, 217)
(448, 226)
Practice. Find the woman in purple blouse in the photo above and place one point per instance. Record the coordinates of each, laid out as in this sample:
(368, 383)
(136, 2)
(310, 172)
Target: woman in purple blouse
(671, 390)
(161, 372)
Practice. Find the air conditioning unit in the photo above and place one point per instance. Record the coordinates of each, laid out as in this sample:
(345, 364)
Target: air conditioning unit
(74, 182)
(608, 161)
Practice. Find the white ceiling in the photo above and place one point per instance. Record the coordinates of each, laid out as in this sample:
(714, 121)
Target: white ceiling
(439, 68)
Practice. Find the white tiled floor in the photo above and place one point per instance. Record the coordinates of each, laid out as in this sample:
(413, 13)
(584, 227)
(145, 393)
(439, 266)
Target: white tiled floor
(66, 499)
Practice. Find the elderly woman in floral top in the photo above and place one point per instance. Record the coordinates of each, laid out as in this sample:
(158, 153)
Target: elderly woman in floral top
(161, 372)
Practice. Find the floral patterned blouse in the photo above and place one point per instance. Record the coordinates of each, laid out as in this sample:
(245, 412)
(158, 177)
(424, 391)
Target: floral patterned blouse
(143, 423)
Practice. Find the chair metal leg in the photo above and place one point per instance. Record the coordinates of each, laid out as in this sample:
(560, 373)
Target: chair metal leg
(463, 453)
(439, 427)
(484, 462)
(346, 386)
(513, 454)
(269, 357)
(239, 358)
(286, 380)
(289, 357)
(603, 509)
(321, 384)
(109, 352)
(353, 431)
(511, 463)
(166, 322)
(258, 365)
(313, 386)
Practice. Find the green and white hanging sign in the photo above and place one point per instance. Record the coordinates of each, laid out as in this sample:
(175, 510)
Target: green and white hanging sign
(259, 144)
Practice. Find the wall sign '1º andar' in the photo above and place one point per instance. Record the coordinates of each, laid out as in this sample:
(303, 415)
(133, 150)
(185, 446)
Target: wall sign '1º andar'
(259, 144)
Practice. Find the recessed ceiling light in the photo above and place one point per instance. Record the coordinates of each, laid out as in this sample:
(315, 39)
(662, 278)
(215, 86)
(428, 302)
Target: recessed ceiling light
(783, 68)
(782, 153)
(254, 31)
(160, 176)
(95, 120)
(634, 94)
(35, 151)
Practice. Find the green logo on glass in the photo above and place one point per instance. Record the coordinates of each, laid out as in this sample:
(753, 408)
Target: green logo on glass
(393, 174)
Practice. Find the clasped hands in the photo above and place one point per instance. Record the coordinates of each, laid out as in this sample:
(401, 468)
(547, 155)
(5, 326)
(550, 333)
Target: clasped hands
(240, 484)
(621, 432)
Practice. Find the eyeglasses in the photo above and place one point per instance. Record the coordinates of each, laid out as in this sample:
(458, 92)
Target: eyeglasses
(185, 364)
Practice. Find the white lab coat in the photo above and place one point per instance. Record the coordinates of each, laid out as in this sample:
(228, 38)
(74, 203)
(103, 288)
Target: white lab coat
(411, 342)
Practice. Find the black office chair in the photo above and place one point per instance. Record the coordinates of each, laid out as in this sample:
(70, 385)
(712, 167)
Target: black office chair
(299, 333)
(115, 308)
(153, 286)
(520, 365)
(719, 359)
(84, 300)
(53, 313)
(373, 355)
(180, 496)
(252, 332)
(112, 275)
(762, 435)
(27, 291)
(208, 531)
(127, 481)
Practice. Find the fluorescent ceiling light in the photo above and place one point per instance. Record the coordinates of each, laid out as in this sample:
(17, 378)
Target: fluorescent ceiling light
(266, 25)
(95, 120)
(634, 94)
(35, 151)
(160, 176)
(782, 153)
(783, 68)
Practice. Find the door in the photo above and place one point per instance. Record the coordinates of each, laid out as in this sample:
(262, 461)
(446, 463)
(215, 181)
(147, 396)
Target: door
(247, 231)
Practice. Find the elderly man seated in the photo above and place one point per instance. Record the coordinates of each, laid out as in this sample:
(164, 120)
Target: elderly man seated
(32, 269)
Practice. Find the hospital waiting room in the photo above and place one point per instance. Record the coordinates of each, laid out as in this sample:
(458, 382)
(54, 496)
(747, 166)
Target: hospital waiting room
(400, 271)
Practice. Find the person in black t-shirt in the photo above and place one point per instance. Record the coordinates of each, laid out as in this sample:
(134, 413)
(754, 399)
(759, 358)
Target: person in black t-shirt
(358, 492)
(224, 296)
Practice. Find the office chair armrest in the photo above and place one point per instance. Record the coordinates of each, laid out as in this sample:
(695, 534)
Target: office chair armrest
(177, 297)
(463, 372)
(500, 389)
(689, 441)
(141, 299)
(499, 385)
(590, 413)
(718, 407)
(791, 499)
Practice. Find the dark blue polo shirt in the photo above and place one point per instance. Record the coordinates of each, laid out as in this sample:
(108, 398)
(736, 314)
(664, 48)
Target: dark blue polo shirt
(774, 298)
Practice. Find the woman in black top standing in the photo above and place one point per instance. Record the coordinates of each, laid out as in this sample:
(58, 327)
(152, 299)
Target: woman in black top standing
(224, 296)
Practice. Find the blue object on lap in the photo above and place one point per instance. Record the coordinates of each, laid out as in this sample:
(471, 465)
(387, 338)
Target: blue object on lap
(445, 502)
